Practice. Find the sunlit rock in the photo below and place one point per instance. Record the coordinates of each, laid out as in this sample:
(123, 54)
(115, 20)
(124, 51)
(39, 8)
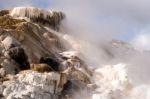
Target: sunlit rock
(51, 18)
(34, 85)
(10, 42)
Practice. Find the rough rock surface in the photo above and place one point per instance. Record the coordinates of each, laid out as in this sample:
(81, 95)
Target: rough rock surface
(25, 37)
(2, 72)
(30, 36)
(50, 18)
(112, 82)
(10, 42)
(10, 66)
(33, 85)
(19, 56)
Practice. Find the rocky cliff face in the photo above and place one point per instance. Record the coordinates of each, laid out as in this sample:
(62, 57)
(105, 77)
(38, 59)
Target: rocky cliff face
(33, 64)
(31, 36)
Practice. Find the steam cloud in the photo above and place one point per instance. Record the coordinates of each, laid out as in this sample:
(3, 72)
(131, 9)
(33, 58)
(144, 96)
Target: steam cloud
(142, 41)
(104, 18)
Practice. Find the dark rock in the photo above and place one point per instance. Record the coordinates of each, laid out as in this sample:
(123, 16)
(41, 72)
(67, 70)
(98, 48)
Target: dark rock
(72, 87)
(51, 62)
(4, 12)
(19, 56)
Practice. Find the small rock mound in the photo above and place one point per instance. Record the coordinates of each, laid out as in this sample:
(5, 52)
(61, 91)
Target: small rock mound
(26, 35)
(41, 67)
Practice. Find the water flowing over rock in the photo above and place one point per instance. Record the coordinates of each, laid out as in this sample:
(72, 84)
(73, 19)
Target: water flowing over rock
(51, 18)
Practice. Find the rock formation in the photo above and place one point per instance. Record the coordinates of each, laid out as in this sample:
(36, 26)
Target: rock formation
(41, 67)
(19, 56)
(34, 62)
(33, 85)
(51, 62)
(51, 18)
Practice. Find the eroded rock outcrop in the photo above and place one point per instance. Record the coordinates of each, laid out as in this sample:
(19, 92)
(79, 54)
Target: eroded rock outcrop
(10, 66)
(51, 62)
(4, 12)
(19, 56)
(24, 39)
(33, 85)
(28, 40)
(10, 42)
(50, 18)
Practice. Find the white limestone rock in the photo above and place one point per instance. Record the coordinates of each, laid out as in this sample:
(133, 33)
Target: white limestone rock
(9, 41)
(34, 85)
(69, 54)
(112, 82)
(32, 14)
